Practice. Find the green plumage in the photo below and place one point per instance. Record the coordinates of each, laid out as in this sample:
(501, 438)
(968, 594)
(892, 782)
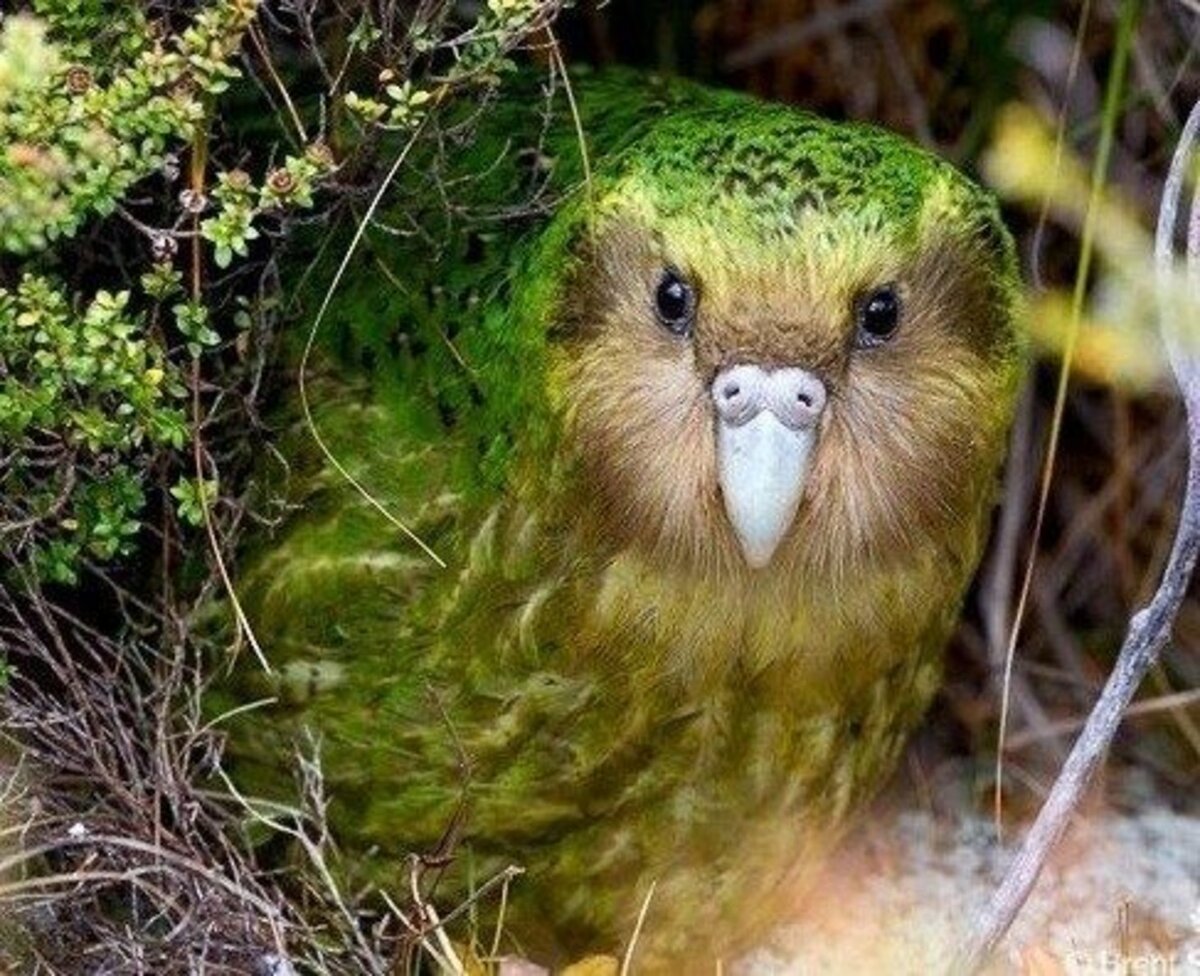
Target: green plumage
(572, 693)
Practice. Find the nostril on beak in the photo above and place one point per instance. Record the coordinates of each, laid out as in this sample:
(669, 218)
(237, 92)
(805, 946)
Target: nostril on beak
(798, 395)
(795, 396)
(739, 393)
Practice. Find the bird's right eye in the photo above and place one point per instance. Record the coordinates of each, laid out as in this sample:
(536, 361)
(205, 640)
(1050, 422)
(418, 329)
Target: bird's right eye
(675, 303)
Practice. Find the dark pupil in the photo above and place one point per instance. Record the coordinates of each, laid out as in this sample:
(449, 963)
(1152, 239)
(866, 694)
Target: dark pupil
(881, 313)
(673, 301)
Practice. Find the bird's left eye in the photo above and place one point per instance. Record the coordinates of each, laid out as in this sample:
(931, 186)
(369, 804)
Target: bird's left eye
(878, 317)
(675, 303)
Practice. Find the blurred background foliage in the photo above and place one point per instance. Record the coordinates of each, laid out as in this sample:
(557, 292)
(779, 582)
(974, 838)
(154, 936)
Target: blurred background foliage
(167, 168)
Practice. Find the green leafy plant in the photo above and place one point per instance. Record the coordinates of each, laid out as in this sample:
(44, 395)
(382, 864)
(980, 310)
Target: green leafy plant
(192, 496)
(79, 135)
(88, 398)
(97, 98)
(111, 115)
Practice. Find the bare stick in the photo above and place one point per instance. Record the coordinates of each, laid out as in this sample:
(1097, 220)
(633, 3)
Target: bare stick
(627, 961)
(1149, 628)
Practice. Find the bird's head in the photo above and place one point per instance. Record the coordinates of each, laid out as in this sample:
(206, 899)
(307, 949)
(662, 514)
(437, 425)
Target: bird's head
(782, 344)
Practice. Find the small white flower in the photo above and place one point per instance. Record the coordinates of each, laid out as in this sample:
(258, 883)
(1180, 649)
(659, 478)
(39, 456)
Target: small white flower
(77, 830)
(274, 965)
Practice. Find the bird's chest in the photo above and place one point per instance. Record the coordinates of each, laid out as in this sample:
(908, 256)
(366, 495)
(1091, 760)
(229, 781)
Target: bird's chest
(766, 705)
(696, 737)
(636, 693)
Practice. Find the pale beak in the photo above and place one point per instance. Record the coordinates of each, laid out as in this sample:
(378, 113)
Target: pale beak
(767, 426)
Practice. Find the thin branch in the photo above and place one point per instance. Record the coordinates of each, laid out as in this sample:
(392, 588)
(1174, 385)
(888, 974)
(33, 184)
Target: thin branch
(1112, 102)
(1154, 706)
(1150, 628)
(627, 959)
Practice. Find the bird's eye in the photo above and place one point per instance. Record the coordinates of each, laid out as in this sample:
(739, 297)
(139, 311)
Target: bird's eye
(878, 317)
(675, 303)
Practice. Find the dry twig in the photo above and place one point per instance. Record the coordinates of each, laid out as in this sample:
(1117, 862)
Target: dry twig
(1149, 628)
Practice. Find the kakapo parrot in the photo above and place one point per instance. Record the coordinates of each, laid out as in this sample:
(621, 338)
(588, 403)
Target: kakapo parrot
(700, 442)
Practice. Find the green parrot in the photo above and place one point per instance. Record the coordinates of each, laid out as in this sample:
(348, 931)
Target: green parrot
(694, 439)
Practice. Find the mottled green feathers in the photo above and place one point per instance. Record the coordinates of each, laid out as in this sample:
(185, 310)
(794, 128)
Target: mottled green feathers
(596, 687)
